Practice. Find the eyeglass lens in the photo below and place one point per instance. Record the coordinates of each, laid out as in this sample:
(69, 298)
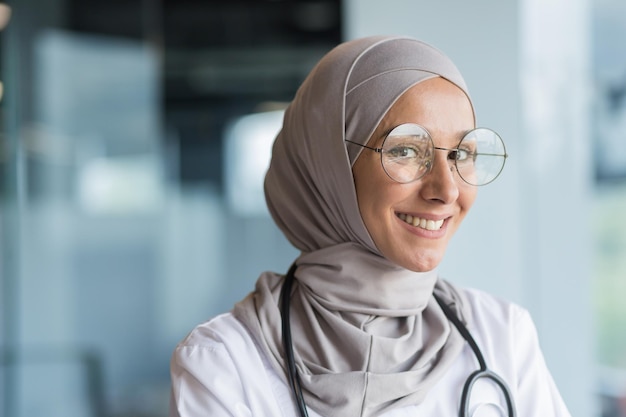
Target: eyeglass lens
(408, 153)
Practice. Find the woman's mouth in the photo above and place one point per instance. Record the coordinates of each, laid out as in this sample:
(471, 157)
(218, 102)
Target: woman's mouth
(421, 223)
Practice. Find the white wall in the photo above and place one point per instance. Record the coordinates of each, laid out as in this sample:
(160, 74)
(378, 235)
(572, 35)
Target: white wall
(525, 239)
(490, 66)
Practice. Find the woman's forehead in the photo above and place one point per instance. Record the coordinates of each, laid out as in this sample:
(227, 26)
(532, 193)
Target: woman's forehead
(439, 106)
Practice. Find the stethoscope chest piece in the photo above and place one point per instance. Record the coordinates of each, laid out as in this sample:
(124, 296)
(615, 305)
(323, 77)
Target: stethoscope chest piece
(488, 410)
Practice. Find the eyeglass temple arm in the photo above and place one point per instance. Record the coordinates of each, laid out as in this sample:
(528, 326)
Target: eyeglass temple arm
(379, 150)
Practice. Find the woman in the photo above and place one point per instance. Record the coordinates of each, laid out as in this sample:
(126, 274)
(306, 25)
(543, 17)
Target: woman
(374, 170)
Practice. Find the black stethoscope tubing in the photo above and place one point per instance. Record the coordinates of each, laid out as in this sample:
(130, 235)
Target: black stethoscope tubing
(292, 372)
(482, 372)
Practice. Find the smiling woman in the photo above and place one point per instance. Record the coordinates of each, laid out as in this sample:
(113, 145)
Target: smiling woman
(370, 177)
(389, 208)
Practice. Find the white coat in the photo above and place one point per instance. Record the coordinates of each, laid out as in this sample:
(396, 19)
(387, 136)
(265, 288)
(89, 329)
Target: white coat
(218, 371)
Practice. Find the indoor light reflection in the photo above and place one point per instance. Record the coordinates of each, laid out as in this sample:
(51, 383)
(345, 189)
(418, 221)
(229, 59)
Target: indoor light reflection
(248, 149)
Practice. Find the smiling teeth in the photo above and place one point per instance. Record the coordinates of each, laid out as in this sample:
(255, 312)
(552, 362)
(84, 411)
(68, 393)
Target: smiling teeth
(422, 223)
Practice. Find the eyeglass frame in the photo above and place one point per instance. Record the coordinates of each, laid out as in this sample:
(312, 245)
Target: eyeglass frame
(432, 161)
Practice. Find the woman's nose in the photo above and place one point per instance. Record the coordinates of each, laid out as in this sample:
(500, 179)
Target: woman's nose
(440, 183)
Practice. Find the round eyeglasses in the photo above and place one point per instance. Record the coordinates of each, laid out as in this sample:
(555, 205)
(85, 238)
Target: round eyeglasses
(407, 154)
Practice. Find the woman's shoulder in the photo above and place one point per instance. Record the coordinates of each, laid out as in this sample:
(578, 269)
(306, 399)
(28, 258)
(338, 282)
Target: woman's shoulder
(220, 332)
(217, 369)
(492, 310)
(219, 346)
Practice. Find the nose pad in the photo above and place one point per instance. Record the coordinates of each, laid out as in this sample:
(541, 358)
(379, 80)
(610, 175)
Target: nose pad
(451, 165)
(438, 184)
(429, 165)
(455, 171)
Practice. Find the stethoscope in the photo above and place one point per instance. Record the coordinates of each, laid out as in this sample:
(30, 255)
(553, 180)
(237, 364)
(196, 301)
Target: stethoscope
(483, 372)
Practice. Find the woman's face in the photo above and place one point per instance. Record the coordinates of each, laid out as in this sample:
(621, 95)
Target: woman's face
(441, 196)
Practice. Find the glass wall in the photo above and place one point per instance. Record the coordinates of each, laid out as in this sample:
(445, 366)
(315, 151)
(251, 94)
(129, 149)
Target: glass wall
(118, 232)
(609, 202)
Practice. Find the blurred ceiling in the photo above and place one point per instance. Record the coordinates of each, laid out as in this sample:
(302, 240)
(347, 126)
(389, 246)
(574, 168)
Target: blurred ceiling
(220, 59)
(234, 39)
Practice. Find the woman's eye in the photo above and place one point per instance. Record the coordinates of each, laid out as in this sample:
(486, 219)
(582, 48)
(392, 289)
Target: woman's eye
(462, 155)
(403, 152)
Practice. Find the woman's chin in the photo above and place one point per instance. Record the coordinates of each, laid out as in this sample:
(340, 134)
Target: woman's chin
(422, 262)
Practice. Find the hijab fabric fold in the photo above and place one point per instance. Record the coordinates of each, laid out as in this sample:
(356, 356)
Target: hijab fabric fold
(368, 335)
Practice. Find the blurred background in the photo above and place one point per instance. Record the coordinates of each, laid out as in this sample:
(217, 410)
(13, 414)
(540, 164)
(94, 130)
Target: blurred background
(134, 135)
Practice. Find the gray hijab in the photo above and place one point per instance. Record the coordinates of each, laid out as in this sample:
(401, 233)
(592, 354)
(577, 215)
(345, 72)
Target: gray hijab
(368, 335)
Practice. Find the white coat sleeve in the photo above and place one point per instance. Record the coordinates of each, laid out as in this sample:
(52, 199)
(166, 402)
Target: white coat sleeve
(537, 392)
(218, 371)
(205, 382)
